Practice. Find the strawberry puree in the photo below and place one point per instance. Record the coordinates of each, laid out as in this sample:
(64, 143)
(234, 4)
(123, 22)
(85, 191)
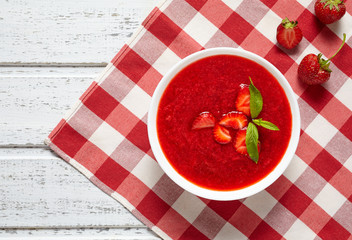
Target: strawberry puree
(211, 84)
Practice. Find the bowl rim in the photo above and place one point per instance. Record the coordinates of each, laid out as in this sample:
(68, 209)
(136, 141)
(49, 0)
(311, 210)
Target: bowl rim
(219, 194)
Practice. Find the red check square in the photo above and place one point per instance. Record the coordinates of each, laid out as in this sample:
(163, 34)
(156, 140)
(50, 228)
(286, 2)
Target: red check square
(269, 3)
(295, 200)
(122, 120)
(315, 217)
(289, 8)
(346, 129)
(69, 140)
(260, 49)
(326, 165)
(178, 223)
(225, 208)
(279, 187)
(150, 80)
(184, 45)
(279, 59)
(349, 7)
(342, 181)
(342, 61)
(193, 233)
(245, 220)
(100, 102)
(312, 29)
(333, 230)
(326, 41)
(197, 4)
(265, 232)
(132, 65)
(164, 29)
(333, 109)
(91, 157)
(216, 12)
(111, 174)
(139, 136)
(238, 33)
(140, 190)
(153, 207)
(308, 149)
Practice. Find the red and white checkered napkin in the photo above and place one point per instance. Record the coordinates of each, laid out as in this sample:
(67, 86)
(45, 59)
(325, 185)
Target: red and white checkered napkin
(105, 135)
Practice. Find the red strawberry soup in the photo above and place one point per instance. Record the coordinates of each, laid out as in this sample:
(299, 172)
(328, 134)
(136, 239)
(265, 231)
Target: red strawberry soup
(212, 85)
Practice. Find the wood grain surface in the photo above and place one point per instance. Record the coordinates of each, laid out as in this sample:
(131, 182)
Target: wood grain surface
(50, 53)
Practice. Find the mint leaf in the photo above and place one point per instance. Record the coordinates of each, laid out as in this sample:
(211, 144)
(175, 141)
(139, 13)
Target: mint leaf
(266, 124)
(256, 100)
(252, 142)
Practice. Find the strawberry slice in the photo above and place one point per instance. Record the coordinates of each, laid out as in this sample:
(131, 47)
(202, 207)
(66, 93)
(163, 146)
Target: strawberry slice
(288, 34)
(242, 100)
(234, 119)
(221, 134)
(240, 142)
(204, 120)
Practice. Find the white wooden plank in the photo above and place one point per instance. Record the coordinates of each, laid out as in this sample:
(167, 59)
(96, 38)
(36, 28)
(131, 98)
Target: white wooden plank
(33, 100)
(48, 71)
(10, 153)
(79, 234)
(43, 191)
(82, 31)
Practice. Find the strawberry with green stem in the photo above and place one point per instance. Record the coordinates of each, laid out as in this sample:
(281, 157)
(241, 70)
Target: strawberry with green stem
(329, 11)
(314, 69)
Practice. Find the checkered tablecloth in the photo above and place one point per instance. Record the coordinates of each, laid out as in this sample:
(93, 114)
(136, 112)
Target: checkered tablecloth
(105, 135)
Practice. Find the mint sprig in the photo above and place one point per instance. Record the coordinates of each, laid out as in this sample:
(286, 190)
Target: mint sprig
(256, 100)
(266, 124)
(252, 135)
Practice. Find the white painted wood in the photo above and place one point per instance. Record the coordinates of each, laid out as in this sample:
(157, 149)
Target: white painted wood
(33, 100)
(39, 191)
(79, 234)
(65, 31)
(49, 71)
(50, 52)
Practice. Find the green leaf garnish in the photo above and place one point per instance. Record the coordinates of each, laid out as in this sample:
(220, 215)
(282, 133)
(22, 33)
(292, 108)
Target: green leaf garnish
(256, 100)
(252, 142)
(266, 124)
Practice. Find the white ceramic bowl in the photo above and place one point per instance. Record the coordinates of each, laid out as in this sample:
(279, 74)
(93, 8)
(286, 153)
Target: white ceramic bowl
(214, 194)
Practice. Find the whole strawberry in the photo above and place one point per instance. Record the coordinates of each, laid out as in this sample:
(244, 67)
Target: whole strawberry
(329, 11)
(288, 34)
(313, 69)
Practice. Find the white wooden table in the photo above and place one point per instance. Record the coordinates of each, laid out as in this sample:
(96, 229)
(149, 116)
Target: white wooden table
(50, 51)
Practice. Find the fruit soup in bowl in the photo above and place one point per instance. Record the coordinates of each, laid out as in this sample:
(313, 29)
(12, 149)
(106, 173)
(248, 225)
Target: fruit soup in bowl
(223, 123)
